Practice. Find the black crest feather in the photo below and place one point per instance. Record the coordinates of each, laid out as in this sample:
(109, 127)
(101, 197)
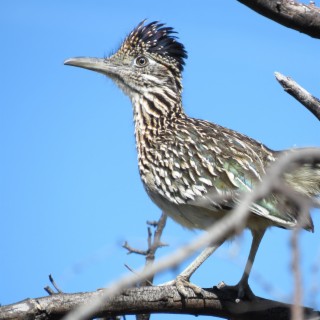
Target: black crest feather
(155, 38)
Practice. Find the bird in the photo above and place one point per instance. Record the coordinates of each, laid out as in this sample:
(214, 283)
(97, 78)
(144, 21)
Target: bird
(186, 163)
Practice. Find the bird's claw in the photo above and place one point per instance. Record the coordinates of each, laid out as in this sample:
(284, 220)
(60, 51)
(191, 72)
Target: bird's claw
(182, 283)
(242, 289)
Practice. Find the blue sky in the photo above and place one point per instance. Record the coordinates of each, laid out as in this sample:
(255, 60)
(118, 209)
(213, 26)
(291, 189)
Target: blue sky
(70, 192)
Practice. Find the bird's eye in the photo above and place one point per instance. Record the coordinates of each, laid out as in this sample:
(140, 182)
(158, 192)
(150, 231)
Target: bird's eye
(141, 61)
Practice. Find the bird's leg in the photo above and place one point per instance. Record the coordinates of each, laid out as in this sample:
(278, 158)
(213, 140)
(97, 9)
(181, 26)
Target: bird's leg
(183, 279)
(243, 288)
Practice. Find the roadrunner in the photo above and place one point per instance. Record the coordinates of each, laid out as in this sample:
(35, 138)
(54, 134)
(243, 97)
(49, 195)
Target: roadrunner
(185, 163)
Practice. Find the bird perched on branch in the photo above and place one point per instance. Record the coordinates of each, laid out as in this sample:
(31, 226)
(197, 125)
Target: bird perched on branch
(186, 164)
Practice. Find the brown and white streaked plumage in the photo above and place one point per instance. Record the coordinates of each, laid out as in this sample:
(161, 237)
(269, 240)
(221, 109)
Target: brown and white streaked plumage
(184, 162)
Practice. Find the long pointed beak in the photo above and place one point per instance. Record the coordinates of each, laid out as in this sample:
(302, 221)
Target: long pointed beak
(94, 64)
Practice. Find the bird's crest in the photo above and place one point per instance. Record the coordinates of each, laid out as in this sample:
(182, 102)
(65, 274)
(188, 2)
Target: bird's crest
(158, 40)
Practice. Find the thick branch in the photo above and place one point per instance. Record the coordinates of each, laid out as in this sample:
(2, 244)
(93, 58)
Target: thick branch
(291, 14)
(303, 96)
(214, 302)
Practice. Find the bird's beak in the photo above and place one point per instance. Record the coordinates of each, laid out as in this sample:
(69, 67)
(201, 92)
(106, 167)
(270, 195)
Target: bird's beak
(94, 64)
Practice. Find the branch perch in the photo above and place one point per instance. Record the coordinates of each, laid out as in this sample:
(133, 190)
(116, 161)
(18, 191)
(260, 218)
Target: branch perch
(214, 302)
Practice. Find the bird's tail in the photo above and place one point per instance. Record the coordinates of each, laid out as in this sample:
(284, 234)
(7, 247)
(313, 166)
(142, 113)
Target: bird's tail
(305, 179)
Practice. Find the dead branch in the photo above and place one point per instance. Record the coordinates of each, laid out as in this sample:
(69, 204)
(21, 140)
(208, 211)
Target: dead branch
(303, 96)
(154, 243)
(134, 250)
(214, 302)
(158, 233)
(154, 240)
(292, 14)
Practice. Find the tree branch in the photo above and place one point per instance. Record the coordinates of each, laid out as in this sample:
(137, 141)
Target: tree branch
(166, 299)
(291, 14)
(154, 243)
(303, 96)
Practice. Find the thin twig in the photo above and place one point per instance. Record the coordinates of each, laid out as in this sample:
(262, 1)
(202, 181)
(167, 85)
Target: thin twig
(152, 223)
(134, 250)
(134, 272)
(158, 232)
(54, 284)
(154, 243)
(49, 290)
(149, 240)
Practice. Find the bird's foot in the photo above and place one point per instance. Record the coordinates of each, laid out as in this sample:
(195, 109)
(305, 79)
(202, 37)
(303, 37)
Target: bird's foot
(242, 289)
(182, 283)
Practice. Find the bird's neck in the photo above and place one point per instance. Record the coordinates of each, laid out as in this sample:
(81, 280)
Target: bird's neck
(153, 112)
(153, 117)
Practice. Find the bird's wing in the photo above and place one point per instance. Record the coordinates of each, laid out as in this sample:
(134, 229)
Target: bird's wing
(210, 162)
(241, 163)
(275, 207)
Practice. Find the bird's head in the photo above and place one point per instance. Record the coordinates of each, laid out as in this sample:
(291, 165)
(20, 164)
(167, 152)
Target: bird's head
(150, 59)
